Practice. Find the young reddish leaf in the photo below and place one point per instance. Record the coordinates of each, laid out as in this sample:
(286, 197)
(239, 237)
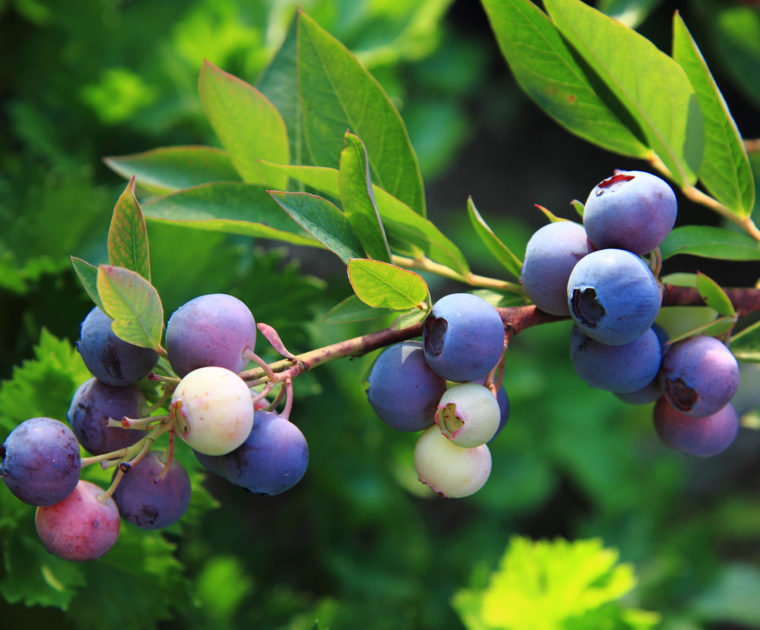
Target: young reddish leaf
(494, 244)
(128, 236)
(133, 304)
(358, 201)
(382, 285)
(167, 169)
(246, 123)
(714, 296)
(88, 276)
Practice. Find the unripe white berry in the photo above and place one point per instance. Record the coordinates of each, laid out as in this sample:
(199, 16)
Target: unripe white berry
(468, 414)
(448, 469)
(212, 410)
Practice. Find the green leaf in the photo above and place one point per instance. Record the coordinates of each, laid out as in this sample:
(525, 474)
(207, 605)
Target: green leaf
(133, 304)
(501, 252)
(337, 94)
(44, 385)
(554, 584)
(352, 309)
(578, 206)
(167, 169)
(246, 123)
(652, 87)
(710, 242)
(408, 232)
(382, 285)
(715, 328)
(548, 70)
(227, 207)
(725, 170)
(714, 296)
(553, 218)
(279, 83)
(323, 220)
(358, 200)
(128, 236)
(88, 276)
(746, 344)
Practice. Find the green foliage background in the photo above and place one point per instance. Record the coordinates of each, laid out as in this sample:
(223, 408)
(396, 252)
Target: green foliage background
(357, 543)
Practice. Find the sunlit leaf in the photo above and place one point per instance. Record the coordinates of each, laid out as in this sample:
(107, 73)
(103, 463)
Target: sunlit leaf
(725, 170)
(714, 296)
(358, 199)
(167, 169)
(128, 236)
(710, 242)
(382, 285)
(133, 304)
(652, 87)
(338, 94)
(493, 243)
(246, 123)
(323, 220)
(550, 73)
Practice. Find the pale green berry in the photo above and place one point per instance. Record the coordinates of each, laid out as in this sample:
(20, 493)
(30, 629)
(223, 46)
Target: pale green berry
(448, 469)
(468, 414)
(212, 410)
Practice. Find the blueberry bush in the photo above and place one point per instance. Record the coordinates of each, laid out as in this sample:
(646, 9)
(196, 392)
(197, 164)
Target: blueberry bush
(312, 400)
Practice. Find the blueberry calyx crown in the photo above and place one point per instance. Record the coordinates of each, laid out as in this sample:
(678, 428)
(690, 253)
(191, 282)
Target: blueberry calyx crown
(435, 331)
(587, 307)
(680, 394)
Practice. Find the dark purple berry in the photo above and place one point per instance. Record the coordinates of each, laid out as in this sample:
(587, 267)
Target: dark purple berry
(152, 495)
(40, 461)
(701, 436)
(110, 359)
(91, 407)
(210, 330)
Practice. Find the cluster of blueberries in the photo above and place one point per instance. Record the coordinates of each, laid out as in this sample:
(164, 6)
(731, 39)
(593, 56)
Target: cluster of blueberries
(595, 274)
(440, 386)
(209, 341)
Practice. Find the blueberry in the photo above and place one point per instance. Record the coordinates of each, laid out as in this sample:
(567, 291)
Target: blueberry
(109, 358)
(463, 337)
(210, 330)
(40, 461)
(91, 407)
(631, 210)
(651, 392)
(152, 495)
(623, 368)
(503, 400)
(272, 460)
(550, 256)
(703, 436)
(699, 375)
(613, 296)
(403, 390)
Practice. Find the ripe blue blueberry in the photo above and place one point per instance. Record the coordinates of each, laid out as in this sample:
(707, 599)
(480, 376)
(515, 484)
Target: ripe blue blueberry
(403, 390)
(631, 210)
(550, 256)
(210, 330)
(109, 358)
(613, 296)
(152, 495)
(699, 375)
(91, 407)
(40, 462)
(623, 368)
(463, 337)
(651, 392)
(272, 460)
(703, 436)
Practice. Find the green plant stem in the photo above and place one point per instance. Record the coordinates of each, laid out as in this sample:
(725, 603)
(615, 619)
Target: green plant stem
(473, 279)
